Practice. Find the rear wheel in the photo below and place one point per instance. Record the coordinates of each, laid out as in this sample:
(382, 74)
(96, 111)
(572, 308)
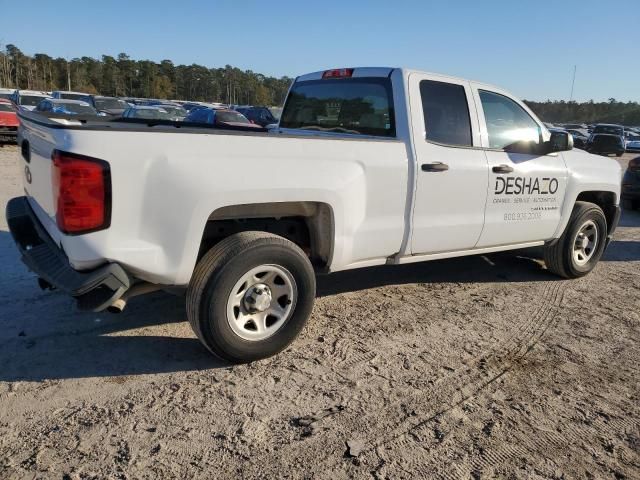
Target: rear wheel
(581, 245)
(250, 296)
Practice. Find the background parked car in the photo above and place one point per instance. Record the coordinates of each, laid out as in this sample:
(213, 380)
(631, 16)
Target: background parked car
(218, 117)
(605, 144)
(633, 143)
(259, 115)
(28, 99)
(631, 185)
(176, 111)
(6, 93)
(8, 119)
(69, 95)
(107, 105)
(579, 139)
(66, 107)
(147, 113)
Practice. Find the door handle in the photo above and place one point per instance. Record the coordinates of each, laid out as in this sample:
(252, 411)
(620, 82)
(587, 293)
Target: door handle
(435, 167)
(502, 169)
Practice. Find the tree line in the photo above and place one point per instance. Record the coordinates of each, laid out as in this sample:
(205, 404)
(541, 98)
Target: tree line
(612, 111)
(123, 77)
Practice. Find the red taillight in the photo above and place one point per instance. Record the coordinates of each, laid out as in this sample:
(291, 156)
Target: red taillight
(81, 192)
(338, 73)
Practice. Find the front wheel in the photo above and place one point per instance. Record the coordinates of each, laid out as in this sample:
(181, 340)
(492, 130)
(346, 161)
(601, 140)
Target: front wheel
(581, 245)
(250, 296)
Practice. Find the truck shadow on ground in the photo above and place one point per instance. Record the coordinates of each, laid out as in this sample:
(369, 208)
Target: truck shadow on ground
(43, 336)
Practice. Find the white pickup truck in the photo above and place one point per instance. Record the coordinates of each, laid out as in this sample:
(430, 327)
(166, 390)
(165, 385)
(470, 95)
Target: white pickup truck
(368, 166)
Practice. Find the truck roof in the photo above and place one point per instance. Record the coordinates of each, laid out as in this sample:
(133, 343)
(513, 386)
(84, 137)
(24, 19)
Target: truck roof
(33, 92)
(385, 72)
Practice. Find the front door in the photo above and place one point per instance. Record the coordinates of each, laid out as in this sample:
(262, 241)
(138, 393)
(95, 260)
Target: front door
(526, 189)
(452, 175)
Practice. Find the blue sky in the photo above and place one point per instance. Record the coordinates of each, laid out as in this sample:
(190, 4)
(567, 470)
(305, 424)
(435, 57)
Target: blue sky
(526, 46)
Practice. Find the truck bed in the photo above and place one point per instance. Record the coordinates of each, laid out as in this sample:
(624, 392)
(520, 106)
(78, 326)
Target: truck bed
(168, 180)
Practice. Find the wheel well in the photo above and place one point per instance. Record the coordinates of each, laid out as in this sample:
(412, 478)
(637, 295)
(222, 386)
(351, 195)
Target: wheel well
(307, 224)
(605, 200)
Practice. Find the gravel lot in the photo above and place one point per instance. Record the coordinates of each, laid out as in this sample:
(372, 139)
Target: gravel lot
(478, 367)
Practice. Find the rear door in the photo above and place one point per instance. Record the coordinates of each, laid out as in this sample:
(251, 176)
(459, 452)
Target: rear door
(452, 176)
(526, 189)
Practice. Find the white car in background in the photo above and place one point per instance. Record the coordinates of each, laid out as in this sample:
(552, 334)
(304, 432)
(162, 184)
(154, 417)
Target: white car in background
(7, 93)
(632, 143)
(29, 99)
(68, 95)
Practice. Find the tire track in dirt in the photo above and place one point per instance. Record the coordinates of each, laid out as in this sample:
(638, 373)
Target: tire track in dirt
(541, 441)
(456, 388)
(453, 389)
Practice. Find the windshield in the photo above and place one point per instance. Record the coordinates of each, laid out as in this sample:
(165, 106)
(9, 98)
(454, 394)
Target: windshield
(73, 109)
(31, 100)
(175, 111)
(231, 117)
(152, 113)
(351, 105)
(610, 129)
(110, 104)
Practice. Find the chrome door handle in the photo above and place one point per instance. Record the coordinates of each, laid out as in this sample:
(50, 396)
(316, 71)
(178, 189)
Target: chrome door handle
(502, 169)
(435, 167)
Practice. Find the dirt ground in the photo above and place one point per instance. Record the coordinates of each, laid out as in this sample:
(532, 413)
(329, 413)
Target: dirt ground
(479, 367)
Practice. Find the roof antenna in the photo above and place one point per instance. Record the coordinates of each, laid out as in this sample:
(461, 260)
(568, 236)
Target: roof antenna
(573, 82)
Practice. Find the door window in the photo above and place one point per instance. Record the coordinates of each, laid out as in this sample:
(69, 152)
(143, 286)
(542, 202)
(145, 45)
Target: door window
(508, 124)
(446, 113)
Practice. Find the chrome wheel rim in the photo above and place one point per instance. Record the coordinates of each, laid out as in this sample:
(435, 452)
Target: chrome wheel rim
(261, 301)
(585, 243)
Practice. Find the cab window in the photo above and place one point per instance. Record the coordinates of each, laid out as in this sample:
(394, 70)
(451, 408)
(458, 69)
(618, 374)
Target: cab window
(358, 106)
(446, 113)
(509, 126)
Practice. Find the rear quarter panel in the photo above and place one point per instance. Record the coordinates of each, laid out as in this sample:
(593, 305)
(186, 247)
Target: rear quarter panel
(166, 185)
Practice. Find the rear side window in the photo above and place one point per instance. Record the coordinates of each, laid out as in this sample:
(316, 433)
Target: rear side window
(361, 106)
(446, 113)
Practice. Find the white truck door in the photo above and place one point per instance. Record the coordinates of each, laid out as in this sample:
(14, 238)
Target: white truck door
(452, 172)
(526, 189)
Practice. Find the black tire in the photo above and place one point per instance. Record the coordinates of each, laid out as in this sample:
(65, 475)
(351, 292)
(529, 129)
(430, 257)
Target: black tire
(214, 278)
(558, 256)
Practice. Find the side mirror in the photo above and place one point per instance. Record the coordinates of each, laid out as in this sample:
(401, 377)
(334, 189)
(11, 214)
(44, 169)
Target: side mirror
(559, 142)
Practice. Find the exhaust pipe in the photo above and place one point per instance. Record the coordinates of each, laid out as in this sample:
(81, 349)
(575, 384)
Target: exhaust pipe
(117, 306)
(44, 285)
(138, 289)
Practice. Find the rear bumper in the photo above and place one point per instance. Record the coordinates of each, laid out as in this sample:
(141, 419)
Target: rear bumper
(94, 290)
(8, 131)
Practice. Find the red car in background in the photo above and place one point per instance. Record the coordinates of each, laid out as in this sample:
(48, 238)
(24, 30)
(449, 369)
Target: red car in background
(8, 120)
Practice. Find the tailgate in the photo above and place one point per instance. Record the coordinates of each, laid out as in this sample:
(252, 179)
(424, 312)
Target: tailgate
(37, 142)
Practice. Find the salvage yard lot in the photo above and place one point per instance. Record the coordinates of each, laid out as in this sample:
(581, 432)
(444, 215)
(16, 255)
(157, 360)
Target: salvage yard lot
(474, 367)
